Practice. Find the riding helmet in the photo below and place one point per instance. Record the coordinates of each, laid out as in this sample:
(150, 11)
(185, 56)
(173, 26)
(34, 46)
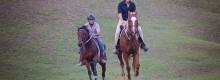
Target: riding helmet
(91, 17)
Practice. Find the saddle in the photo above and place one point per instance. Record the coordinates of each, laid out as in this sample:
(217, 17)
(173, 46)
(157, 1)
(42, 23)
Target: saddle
(99, 50)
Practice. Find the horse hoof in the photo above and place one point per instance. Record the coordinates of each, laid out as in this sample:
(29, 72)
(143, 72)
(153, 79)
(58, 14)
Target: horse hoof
(96, 77)
(136, 78)
(123, 78)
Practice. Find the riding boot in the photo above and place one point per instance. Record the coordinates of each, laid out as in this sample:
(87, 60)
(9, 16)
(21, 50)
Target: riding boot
(103, 60)
(143, 46)
(80, 63)
(116, 51)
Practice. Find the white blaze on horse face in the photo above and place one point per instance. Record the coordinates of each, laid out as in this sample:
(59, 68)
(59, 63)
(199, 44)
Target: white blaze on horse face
(133, 19)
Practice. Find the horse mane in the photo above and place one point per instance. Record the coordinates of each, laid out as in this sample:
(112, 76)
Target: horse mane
(132, 13)
(84, 27)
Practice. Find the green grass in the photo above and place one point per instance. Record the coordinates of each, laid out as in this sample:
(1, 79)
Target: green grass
(39, 42)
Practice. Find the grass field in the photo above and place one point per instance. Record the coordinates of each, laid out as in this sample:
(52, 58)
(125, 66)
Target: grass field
(38, 39)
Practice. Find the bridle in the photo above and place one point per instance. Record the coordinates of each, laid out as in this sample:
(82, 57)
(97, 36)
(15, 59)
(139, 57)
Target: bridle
(86, 39)
(131, 24)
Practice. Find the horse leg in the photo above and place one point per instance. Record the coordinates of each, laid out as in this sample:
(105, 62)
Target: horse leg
(133, 64)
(94, 70)
(125, 56)
(122, 65)
(89, 70)
(136, 66)
(103, 65)
(92, 67)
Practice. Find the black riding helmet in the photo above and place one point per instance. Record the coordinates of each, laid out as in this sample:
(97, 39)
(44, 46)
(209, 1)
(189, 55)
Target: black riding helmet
(91, 17)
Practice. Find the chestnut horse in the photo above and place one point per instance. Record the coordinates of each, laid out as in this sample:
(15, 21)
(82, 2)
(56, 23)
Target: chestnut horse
(129, 47)
(89, 52)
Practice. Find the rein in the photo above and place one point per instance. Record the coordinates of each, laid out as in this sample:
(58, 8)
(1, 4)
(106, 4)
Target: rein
(87, 40)
(132, 33)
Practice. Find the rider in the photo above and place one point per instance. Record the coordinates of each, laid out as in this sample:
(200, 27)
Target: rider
(123, 8)
(94, 30)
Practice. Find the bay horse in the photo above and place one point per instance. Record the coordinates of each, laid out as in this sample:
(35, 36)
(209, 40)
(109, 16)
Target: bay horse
(89, 52)
(129, 47)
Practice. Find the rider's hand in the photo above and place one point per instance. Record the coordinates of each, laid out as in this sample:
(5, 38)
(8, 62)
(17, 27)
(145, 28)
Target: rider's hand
(93, 34)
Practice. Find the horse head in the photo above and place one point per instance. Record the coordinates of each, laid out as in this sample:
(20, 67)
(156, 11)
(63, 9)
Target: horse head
(83, 35)
(132, 22)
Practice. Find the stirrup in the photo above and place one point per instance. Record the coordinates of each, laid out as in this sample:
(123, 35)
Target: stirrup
(115, 51)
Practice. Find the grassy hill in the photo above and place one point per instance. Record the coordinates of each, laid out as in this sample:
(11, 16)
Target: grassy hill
(38, 39)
